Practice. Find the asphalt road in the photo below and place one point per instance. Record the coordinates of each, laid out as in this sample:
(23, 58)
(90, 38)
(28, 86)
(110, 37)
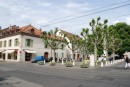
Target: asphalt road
(33, 75)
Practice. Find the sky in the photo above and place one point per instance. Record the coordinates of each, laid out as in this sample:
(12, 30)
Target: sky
(49, 14)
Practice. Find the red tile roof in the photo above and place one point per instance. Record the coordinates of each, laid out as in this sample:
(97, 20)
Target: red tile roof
(68, 34)
(28, 28)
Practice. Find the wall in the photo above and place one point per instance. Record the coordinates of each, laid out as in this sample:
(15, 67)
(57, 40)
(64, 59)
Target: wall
(38, 46)
(12, 47)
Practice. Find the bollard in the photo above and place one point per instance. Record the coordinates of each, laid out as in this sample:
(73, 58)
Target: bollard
(62, 62)
(44, 61)
(73, 62)
(101, 64)
(106, 63)
(111, 62)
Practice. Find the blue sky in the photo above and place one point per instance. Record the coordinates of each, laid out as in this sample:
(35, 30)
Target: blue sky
(42, 12)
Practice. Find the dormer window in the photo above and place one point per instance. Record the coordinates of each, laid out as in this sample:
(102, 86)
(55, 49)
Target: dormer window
(32, 30)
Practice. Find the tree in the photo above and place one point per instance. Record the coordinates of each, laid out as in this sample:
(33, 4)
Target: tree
(96, 36)
(114, 42)
(123, 29)
(106, 40)
(53, 40)
(73, 45)
(84, 48)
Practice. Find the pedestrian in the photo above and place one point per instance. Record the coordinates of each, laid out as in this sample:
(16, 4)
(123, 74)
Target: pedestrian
(127, 60)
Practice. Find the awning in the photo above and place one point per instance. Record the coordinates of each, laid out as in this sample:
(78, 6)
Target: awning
(30, 51)
(9, 51)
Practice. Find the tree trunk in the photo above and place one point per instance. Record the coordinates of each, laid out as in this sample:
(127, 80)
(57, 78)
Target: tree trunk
(95, 55)
(73, 60)
(51, 52)
(113, 55)
(72, 55)
(106, 54)
(105, 47)
(95, 52)
(54, 56)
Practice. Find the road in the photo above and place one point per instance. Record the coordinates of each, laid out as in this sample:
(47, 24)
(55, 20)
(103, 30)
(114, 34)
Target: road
(33, 75)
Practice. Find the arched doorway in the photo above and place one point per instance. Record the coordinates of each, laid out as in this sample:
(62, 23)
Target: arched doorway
(74, 56)
(46, 55)
(78, 55)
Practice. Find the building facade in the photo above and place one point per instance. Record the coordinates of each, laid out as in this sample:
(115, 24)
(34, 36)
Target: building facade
(24, 43)
(77, 54)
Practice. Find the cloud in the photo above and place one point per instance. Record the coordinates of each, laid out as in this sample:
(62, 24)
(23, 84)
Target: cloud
(128, 20)
(24, 16)
(41, 21)
(74, 5)
(117, 21)
(45, 4)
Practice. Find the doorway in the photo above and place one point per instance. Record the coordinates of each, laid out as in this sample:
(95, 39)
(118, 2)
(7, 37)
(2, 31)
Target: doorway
(78, 56)
(3, 56)
(0, 55)
(46, 54)
(28, 56)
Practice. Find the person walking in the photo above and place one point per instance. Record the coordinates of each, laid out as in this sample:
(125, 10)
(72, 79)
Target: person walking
(127, 60)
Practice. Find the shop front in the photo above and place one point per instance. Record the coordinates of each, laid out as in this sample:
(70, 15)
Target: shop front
(29, 54)
(10, 55)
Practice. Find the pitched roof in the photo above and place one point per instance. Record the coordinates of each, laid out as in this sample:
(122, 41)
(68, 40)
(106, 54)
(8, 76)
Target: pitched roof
(28, 29)
(68, 34)
(13, 30)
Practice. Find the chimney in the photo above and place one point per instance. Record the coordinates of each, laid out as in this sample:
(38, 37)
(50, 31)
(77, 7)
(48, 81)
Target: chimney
(40, 29)
(10, 27)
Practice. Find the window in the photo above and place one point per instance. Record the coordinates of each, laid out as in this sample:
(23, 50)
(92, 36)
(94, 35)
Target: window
(10, 43)
(29, 42)
(4, 43)
(62, 46)
(15, 55)
(62, 55)
(0, 55)
(16, 42)
(32, 31)
(0, 43)
(9, 56)
(56, 55)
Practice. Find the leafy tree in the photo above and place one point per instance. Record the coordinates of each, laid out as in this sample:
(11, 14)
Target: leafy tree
(96, 36)
(84, 48)
(114, 42)
(123, 30)
(53, 40)
(106, 40)
(73, 45)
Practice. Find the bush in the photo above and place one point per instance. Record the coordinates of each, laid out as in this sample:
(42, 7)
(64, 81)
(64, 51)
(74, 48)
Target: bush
(41, 62)
(52, 63)
(98, 62)
(68, 64)
(85, 64)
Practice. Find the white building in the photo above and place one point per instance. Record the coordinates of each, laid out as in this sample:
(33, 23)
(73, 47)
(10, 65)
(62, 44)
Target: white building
(24, 43)
(77, 53)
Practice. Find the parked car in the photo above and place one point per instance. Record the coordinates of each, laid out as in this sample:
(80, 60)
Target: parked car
(39, 58)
